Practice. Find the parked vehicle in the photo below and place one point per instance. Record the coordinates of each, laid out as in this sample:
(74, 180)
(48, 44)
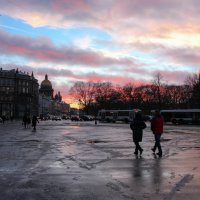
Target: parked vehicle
(117, 115)
(44, 117)
(182, 116)
(56, 118)
(75, 118)
(147, 117)
(65, 117)
(86, 117)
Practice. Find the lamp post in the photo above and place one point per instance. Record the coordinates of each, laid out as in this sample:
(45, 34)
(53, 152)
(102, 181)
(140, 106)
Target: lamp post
(79, 101)
(42, 104)
(95, 113)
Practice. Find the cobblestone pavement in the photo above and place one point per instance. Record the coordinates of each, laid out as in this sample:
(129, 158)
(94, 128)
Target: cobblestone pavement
(80, 160)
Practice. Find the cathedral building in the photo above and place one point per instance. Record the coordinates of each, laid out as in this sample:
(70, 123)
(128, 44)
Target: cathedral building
(50, 104)
(46, 88)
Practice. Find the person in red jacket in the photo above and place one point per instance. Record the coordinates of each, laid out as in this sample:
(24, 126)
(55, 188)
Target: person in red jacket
(157, 124)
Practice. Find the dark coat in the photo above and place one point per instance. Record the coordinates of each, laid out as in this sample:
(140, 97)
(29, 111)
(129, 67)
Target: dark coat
(137, 127)
(24, 119)
(34, 121)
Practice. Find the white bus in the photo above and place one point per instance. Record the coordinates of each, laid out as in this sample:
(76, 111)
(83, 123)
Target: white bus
(117, 115)
(182, 116)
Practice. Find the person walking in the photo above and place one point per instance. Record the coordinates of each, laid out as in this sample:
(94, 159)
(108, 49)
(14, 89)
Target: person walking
(24, 120)
(137, 127)
(157, 124)
(3, 119)
(34, 122)
(28, 121)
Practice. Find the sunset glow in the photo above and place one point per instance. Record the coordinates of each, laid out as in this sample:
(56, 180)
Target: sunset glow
(101, 40)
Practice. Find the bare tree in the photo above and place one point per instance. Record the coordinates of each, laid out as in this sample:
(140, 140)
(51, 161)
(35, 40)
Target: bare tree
(193, 83)
(157, 88)
(175, 96)
(83, 93)
(128, 92)
(105, 95)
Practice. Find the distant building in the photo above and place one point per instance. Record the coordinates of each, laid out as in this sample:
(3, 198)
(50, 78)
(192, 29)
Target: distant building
(46, 88)
(45, 105)
(58, 97)
(50, 104)
(18, 93)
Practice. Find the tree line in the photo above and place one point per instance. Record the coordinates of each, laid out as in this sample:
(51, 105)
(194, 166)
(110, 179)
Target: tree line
(93, 96)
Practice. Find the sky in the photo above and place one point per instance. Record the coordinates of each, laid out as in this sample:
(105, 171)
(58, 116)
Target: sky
(101, 40)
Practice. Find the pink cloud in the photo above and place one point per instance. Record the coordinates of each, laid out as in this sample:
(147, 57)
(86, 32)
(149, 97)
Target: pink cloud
(175, 76)
(172, 77)
(190, 56)
(41, 49)
(101, 13)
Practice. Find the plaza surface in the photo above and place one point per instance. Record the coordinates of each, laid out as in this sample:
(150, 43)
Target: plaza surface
(80, 160)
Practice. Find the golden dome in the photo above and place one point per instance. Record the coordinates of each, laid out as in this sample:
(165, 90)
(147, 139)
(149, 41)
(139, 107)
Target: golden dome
(46, 83)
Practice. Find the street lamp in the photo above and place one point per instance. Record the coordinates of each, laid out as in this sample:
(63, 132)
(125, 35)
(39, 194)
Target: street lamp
(79, 101)
(95, 112)
(42, 104)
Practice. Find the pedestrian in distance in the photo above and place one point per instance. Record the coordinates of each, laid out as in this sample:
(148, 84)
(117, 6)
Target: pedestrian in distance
(3, 119)
(24, 120)
(34, 122)
(137, 126)
(157, 124)
(28, 121)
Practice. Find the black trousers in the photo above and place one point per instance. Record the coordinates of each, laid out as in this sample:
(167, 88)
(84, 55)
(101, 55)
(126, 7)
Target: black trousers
(137, 147)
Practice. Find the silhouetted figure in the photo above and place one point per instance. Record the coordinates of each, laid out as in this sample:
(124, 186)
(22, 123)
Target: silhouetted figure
(28, 121)
(137, 127)
(157, 124)
(34, 122)
(3, 119)
(95, 120)
(24, 121)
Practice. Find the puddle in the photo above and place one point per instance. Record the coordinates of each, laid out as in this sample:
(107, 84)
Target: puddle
(30, 141)
(165, 140)
(96, 141)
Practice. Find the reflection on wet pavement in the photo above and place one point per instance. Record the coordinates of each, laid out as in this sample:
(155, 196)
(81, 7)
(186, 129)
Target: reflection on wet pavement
(68, 160)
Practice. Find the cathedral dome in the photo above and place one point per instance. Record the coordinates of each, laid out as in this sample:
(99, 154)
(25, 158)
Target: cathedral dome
(46, 83)
(46, 88)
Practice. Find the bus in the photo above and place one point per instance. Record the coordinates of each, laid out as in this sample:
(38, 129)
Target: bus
(182, 116)
(117, 115)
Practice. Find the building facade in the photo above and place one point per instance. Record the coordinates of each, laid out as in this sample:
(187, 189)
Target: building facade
(18, 94)
(48, 103)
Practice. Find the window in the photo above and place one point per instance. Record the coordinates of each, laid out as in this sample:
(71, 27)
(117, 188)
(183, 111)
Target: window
(23, 90)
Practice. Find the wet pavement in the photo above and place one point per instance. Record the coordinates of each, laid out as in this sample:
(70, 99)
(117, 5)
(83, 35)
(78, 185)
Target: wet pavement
(80, 160)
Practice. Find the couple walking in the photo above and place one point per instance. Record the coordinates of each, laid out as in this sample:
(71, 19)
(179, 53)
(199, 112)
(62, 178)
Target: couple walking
(26, 121)
(137, 127)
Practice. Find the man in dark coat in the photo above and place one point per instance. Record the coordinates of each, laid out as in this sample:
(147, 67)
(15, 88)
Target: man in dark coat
(34, 122)
(137, 127)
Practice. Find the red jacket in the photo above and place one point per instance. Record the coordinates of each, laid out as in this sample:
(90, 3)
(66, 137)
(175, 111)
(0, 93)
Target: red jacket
(157, 124)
